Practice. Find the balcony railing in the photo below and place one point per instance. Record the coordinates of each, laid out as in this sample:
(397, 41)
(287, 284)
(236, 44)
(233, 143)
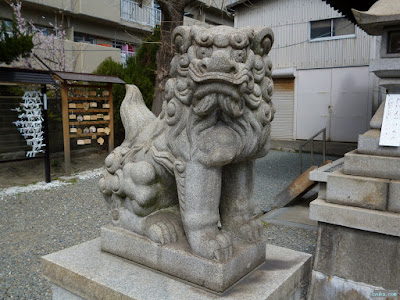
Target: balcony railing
(125, 55)
(145, 15)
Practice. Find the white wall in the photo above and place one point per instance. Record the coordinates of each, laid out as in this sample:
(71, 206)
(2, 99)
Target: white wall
(290, 22)
(339, 99)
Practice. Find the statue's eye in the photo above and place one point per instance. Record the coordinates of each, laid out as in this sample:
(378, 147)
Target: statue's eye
(203, 52)
(240, 55)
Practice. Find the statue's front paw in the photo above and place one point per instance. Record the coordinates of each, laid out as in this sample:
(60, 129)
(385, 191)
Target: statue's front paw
(221, 247)
(162, 232)
(251, 231)
(245, 228)
(212, 245)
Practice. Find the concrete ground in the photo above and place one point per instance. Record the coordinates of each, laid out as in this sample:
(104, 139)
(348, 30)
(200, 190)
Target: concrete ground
(276, 171)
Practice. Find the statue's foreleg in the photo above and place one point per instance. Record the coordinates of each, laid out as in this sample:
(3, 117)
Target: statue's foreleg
(200, 212)
(236, 206)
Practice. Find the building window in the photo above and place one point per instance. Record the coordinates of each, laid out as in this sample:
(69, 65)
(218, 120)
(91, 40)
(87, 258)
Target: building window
(330, 29)
(394, 42)
(84, 38)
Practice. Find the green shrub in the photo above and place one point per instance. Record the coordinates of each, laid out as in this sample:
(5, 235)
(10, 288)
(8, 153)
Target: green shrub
(15, 45)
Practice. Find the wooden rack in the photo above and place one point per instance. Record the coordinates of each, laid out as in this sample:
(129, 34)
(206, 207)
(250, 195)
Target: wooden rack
(100, 98)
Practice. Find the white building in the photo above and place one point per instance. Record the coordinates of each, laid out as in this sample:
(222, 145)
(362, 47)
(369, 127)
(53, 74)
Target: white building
(320, 70)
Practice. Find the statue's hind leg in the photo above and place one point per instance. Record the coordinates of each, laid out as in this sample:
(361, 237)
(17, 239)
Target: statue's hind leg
(236, 206)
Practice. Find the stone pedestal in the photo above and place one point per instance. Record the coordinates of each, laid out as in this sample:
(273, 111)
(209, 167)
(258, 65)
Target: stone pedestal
(86, 272)
(358, 226)
(176, 259)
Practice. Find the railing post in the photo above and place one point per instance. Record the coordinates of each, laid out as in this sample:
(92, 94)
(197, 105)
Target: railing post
(311, 139)
(312, 152)
(324, 145)
(301, 159)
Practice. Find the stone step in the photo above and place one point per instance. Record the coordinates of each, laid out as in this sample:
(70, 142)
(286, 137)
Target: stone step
(321, 174)
(368, 143)
(361, 191)
(371, 220)
(359, 164)
(366, 192)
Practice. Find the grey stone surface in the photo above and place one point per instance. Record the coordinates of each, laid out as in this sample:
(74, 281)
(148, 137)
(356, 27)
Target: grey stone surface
(332, 287)
(175, 258)
(368, 143)
(387, 68)
(358, 255)
(392, 85)
(355, 217)
(394, 196)
(321, 174)
(359, 164)
(377, 118)
(322, 190)
(381, 14)
(199, 153)
(357, 191)
(298, 214)
(86, 271)
(58, 293)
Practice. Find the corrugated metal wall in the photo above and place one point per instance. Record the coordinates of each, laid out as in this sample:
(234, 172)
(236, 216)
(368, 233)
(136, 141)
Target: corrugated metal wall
(289, 19)
(283, 99)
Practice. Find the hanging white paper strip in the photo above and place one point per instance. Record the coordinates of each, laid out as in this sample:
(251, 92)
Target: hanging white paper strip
(30, 122)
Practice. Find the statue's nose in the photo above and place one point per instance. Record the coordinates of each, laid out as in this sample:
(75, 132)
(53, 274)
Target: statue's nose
(218, 62)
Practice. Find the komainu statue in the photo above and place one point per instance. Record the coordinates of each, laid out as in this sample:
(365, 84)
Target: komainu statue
(188, 174)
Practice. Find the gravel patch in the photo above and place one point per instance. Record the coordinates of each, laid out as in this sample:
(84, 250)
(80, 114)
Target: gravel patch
(40, 222)
(40, 219)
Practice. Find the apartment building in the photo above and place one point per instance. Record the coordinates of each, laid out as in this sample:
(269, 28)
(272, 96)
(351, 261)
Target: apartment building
(96, 29)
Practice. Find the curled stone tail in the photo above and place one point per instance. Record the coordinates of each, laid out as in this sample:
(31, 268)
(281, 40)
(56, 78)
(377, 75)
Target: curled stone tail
(134, 113)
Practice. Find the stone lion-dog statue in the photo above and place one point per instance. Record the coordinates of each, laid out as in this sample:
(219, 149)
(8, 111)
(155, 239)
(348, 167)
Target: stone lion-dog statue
(189, 173)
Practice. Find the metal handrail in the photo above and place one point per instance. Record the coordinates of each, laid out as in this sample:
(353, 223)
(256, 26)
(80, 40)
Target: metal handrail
(311, 139)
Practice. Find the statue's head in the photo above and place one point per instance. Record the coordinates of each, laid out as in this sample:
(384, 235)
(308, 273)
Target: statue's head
(222, 67)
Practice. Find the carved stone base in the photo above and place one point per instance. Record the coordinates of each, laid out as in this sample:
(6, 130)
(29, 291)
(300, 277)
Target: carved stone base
(177, 260)
(85, 272)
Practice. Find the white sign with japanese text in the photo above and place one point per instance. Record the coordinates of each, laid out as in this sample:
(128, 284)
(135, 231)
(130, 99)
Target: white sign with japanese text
(390, 131)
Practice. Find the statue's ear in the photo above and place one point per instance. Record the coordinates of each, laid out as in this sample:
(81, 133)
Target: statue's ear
(263, 40)
(182, 38)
